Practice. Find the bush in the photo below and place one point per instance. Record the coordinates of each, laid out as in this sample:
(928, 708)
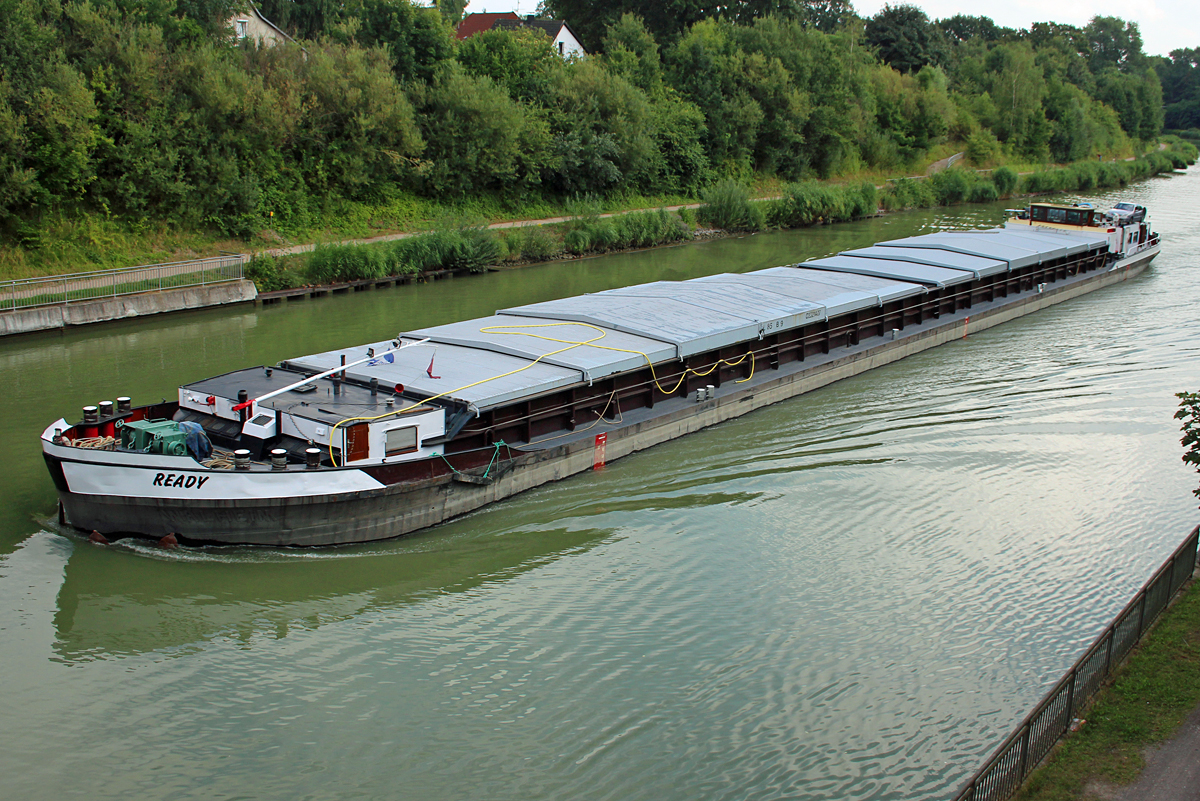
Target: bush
(865, 200)
(984, 192)
(539, 244)
(330, 264)
(639, 229)
(907, 193)
(951, 186)
(982, 147)
(1040, 182)
(1111, 174)
(264, 272)
(727, 205)
(1005, 180)
(472, 248)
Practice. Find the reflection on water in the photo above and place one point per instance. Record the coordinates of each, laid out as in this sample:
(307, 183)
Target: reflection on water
(854, 594)
(112, 604)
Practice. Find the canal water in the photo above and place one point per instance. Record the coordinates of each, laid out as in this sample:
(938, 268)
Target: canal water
(855, 594)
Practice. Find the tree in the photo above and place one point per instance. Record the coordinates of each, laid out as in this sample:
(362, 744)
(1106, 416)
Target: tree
(1189, 413)
(1180, 78)
(827, 16)
(669, 20)
(1137, 99)
(1017, 87)
(904, 38)
(630, 51)
(522, 60)
(1113, 43)
(1056, 34)
(303, 19)
(962, 28)
(452, 10)
(477, 138)
(418, 39)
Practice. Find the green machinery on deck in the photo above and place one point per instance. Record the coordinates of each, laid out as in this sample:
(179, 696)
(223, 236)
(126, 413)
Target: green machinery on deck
(154, 436)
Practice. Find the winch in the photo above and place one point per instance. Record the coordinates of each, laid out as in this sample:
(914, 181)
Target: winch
(154, 436)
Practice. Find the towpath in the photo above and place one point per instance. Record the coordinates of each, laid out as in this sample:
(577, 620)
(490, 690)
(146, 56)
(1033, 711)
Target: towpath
(1172, 770)
(493, 226)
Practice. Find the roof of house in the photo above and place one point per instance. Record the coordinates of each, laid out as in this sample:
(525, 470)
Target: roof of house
(475, 23)
(550, 26)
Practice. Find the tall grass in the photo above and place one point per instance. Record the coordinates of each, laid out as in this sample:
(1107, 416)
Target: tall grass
(727, 205)
(957, 185)
(466, 247)
(810, 202)
(592, 234)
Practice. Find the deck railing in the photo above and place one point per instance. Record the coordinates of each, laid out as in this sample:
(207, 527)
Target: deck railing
(56, 290)
(1001, 776)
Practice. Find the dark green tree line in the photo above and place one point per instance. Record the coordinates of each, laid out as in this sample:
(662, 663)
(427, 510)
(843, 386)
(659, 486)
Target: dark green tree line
(150, 109)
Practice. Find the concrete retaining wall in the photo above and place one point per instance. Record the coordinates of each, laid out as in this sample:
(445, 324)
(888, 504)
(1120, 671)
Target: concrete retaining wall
(44, 318)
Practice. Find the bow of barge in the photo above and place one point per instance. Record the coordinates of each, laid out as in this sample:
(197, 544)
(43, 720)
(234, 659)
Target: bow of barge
(383, 439)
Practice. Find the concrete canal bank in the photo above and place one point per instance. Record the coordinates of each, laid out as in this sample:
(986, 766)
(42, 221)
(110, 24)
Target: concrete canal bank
(46, 318)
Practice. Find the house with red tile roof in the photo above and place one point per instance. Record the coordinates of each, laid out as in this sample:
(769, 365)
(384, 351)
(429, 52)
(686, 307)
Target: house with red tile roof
(472, 24)
(565, 40)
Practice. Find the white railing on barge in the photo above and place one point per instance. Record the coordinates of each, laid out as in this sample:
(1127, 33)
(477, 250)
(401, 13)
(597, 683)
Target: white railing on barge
(58, 290)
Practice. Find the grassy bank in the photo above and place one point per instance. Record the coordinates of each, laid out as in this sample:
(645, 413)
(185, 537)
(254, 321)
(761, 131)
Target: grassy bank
(727, 205)
(1147, 700)
(91, 242)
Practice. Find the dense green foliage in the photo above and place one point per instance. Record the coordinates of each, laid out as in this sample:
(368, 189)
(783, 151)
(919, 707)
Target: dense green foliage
(1180, 78)
(1189, 413)
(151, 113)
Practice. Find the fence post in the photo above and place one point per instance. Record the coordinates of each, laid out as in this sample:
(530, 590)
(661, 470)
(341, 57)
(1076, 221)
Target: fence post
(1070, 701)
(1141, 615)
(1112, 635)
(1024, 755)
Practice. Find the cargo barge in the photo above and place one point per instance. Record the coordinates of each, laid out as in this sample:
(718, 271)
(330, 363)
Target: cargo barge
(380, 440)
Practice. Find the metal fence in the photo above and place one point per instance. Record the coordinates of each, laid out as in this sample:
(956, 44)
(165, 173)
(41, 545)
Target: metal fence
(1001, 776)
(28, 293)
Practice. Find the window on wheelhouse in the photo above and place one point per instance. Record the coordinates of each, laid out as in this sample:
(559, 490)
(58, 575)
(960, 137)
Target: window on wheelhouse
(400, 440)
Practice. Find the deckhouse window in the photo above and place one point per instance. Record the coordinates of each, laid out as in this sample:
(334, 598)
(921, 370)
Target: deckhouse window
(1056, 215)
(400, 440)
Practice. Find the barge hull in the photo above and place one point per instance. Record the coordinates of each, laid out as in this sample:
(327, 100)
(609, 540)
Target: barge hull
(402, 508)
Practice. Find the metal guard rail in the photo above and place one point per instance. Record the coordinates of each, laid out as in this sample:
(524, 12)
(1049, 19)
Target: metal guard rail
(57, 290)
(1002, 775)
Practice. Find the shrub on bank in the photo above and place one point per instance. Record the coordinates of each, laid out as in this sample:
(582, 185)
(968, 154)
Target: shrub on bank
(810, 202)
(907, 193)
(471, 248)
(952, 186)
(637, 230)
(727, 205)
(270, 273)
(466, 247)
(1005, 179)
(984, 192)
(538, 244)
